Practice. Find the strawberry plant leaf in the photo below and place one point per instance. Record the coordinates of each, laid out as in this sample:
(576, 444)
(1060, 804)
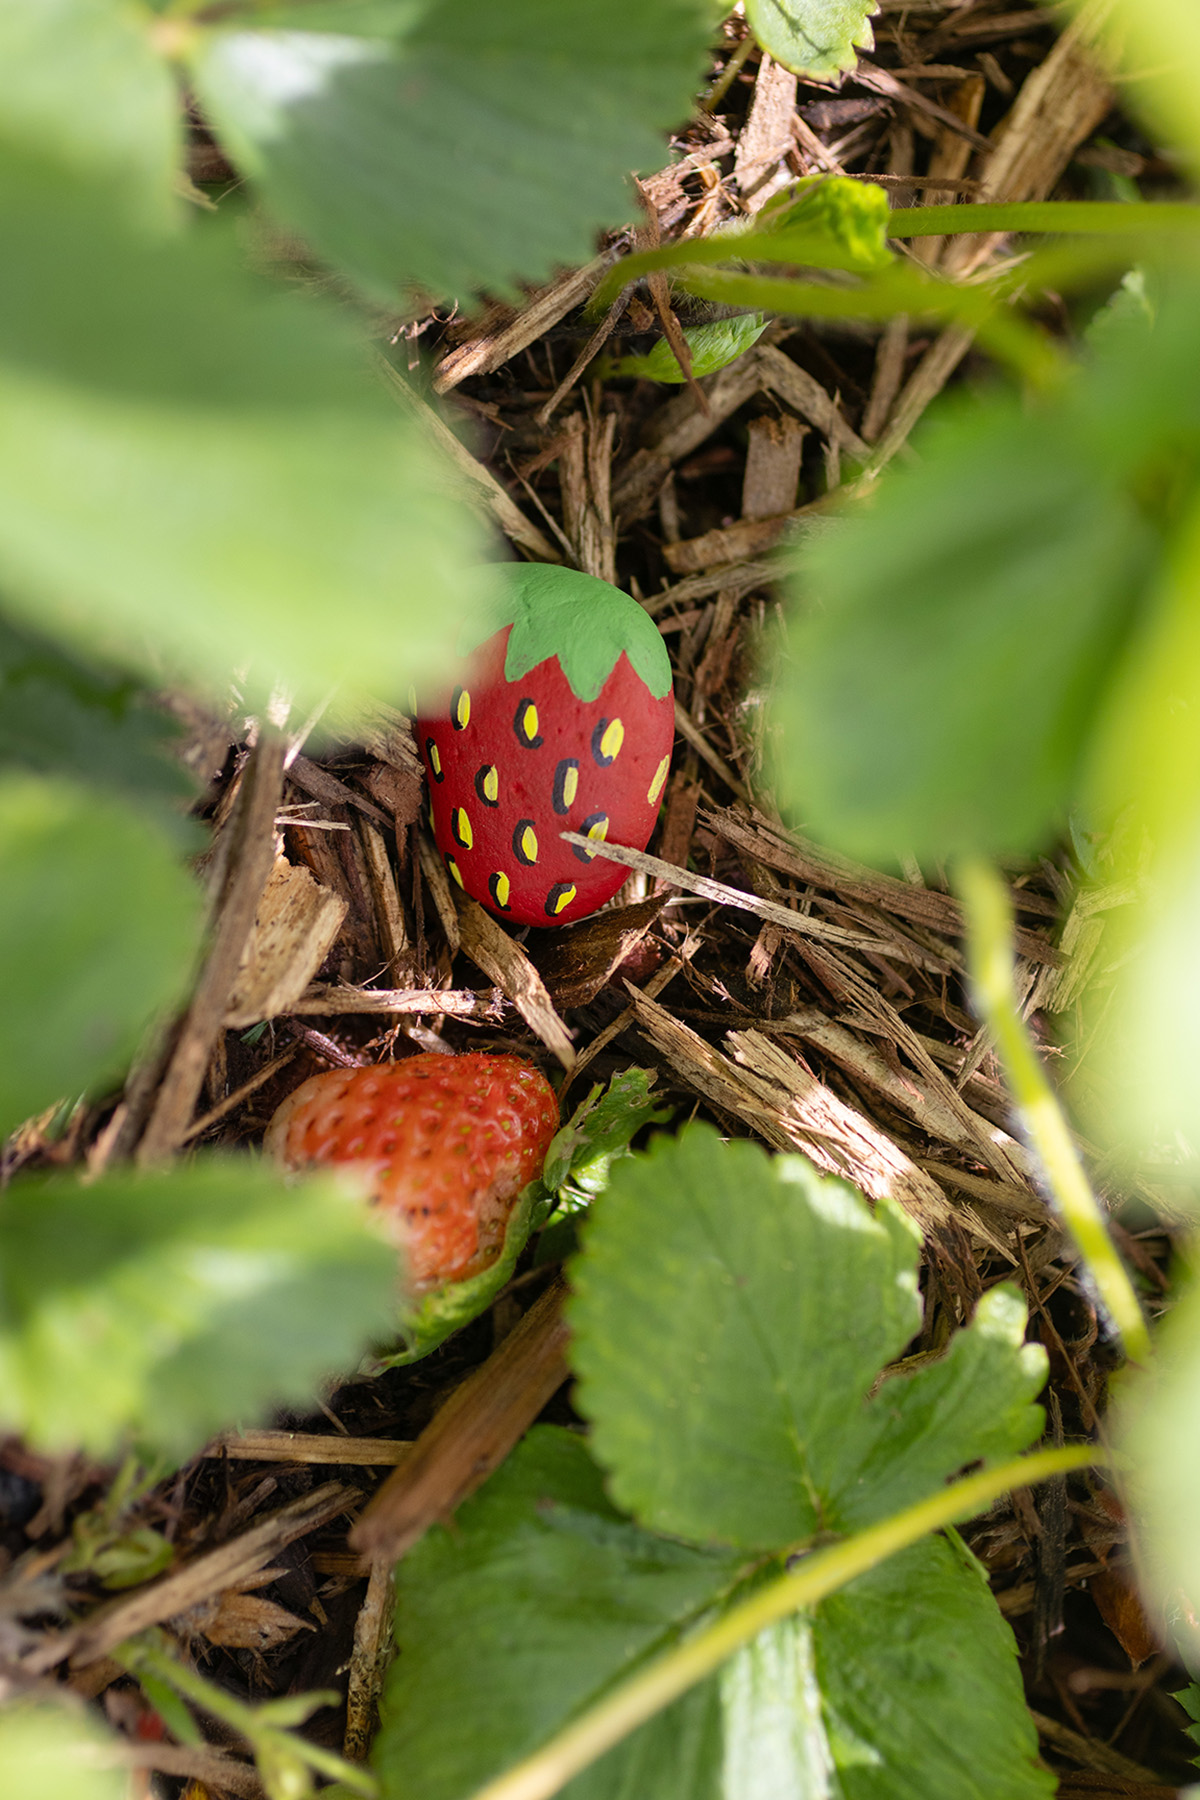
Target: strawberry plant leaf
(58, 1753)
(61, 716)
(171, 426)
(817, 38)
(719, 1326)
(920, 1685)
(542, 1597)
(524, 121)
(738, 1410)
(539, 1597)
(81, 83)
(163, 1305)
(98, 928)
(771, 1717)
(823, 222)
(601, 1128)
(939, 697)
(712, 346)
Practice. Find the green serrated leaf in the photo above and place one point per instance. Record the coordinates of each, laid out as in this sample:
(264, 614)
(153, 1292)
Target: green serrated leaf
(600, 1128)
(52, 1752)
(81, 83)
(972, 1404)
(99, 925)
(729, 1310)
(712, 346)
(456, 145)
(731, 1313)
(164, 1305)
(817, 38)
(920, 1684)
(540, 1595)
(61, 716)
(199, 472)
(583, 621)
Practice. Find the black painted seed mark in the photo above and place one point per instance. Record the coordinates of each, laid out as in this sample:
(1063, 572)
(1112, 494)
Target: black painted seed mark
(594, 826)
(460, 827)
(499, 889)
(559, 898)
(460, 709)
(525, 724)
(607, 739)
(487, 784)
(566, 784)
(435, 761)
(524, 843)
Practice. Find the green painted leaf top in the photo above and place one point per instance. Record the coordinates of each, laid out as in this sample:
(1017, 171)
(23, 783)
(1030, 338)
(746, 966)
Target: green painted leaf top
(585, 622)
(813, 37)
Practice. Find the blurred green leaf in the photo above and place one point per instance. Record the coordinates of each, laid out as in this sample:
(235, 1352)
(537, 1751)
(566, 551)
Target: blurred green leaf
(165, 1305)
(1156, 46)
(731, 1313)
(540, 1595)
(99, 925)
(948, 648)
(920, 1684)
(712, 346)
(61, 716)
(50, 1752)
(199, 472)
(825, 221)
(813, 37)
(452, 144)
(81, 83)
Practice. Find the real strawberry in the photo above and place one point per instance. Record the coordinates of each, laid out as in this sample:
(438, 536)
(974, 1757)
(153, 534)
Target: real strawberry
(562, 719)
(444, 1146)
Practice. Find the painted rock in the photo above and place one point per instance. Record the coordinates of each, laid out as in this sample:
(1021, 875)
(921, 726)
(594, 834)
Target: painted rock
(562, 720)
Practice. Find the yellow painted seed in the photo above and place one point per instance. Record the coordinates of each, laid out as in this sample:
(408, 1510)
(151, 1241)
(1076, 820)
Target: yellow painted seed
(660, 780)
(610, 743)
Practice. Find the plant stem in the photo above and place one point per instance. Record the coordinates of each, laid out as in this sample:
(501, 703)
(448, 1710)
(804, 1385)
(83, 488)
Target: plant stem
(266, 1737)
(652, 1688)
(989, 918)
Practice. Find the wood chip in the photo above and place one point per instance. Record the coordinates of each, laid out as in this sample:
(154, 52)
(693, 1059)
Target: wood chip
(295, 927)
(773, 450)
(369, 1658)
(491, 350)
(472, 1434)
(196, 1581)
(251, 860)
(759, 166)
(482, 487)
(737, 543)
(459, 1003)
(578, 960)
(489, 946)
(800, 924)
(309, 1447)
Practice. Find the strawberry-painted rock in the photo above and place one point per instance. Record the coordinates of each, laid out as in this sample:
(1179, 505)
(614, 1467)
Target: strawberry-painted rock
(563, 719)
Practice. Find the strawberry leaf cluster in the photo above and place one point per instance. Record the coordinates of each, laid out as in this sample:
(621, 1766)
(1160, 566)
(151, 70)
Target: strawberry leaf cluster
(732, 1322)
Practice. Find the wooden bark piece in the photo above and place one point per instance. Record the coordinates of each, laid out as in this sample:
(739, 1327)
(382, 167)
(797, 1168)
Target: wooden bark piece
(295, 928)
(472, 1434)
(489, 946)
(578, 961)
(759, 165)
(772, 466)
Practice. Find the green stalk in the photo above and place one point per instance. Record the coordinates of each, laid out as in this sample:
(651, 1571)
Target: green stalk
(604, 1725)
(989, 919)
(281, 1755)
